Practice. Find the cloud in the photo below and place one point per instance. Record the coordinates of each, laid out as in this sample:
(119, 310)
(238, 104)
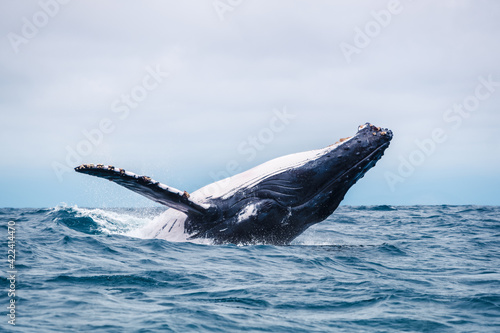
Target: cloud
(227, 76)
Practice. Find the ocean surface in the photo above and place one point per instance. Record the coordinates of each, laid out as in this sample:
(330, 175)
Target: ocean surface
(365, 269)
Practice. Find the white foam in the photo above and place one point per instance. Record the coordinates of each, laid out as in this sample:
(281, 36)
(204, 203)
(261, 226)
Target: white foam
(109, 222)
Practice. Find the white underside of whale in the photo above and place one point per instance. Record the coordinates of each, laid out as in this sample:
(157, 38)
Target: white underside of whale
(227, 187)
(169, 226)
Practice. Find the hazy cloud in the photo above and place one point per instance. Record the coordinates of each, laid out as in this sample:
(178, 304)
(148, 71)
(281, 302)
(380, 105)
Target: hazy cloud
(225, 79)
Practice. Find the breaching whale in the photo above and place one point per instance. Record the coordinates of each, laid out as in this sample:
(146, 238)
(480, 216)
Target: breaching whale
(271, 203)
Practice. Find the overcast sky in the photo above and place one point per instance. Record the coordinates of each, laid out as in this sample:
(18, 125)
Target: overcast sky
(190, 91)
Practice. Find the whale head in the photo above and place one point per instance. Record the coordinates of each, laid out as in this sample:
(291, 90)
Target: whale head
(276, 201)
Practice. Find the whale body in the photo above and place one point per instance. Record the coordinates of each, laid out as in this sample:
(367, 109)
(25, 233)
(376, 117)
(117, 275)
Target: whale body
(272, 203)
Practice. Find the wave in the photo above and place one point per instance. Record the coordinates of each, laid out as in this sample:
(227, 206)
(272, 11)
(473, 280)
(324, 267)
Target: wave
(380, 208)
(100, 221)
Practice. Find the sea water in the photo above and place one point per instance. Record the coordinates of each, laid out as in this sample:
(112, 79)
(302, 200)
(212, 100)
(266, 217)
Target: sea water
(364, 269)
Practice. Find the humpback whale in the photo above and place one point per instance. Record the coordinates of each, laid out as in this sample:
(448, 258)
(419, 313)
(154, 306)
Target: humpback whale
(272, 203)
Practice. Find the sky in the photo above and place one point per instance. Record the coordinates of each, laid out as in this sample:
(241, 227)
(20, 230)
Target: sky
(189, 92)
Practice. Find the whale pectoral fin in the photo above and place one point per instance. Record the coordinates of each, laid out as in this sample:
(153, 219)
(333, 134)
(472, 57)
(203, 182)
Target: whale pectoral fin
(147, 187)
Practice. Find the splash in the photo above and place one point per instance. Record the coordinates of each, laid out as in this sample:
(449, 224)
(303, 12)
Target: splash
(136, 223)
(113, 221)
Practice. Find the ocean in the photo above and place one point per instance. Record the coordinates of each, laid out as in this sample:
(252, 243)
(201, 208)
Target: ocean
(364, 269)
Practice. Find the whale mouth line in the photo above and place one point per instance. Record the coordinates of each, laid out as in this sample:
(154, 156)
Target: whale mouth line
(336, 179)
(381, 147)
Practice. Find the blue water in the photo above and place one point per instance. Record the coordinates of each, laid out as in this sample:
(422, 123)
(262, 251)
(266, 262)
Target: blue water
(365, 269)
